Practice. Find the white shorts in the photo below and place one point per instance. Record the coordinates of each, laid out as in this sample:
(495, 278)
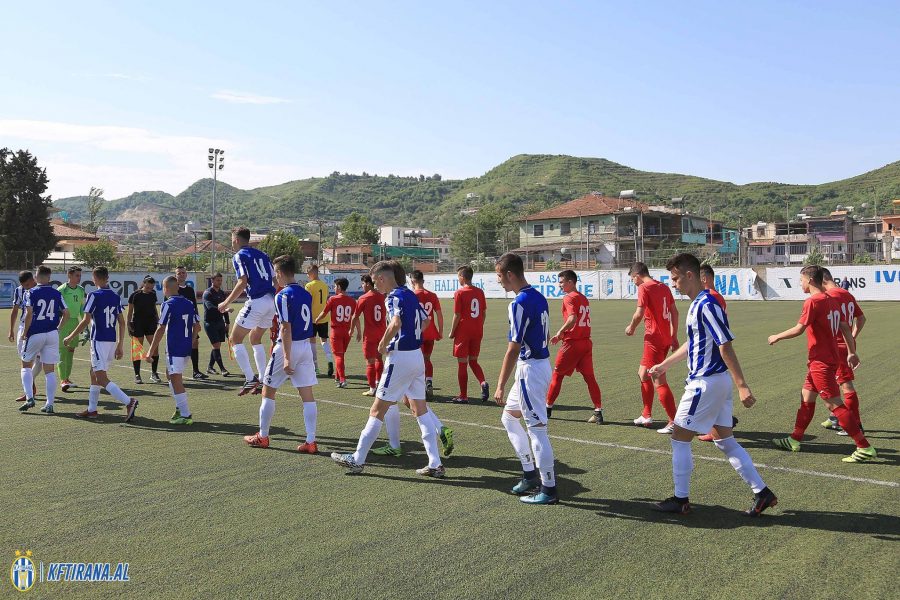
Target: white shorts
(44, 345)
(301, 361)
(404, 375)
(706, 402)
(257, 312)
(528, 391)
(175, 364)
(103, 355)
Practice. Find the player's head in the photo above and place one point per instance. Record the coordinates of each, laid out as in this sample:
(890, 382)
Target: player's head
(384, 276)
(811, 277)
(285, 269)
(341, 284)
(26, 278)
(510, 272)
(100, 276)
(828, 281)
(74, 275)
(707, 276)
(312, 272)
(240, 237)
(417, 278)
(217, 280)
(181, 274)
(170, 286)
(685, 270)
(367, 283)
(148, 284)
(465, 274)
(43, 275)
(568, 280)
(637, 272)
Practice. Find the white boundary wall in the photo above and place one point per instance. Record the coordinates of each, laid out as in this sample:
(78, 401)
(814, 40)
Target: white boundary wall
(867, 282)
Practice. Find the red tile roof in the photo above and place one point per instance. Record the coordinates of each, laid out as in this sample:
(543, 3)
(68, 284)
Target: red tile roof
(586, 206)
(71, 232)
(204, 246)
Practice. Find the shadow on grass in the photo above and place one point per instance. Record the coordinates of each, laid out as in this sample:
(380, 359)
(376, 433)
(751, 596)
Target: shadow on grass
(840, 445)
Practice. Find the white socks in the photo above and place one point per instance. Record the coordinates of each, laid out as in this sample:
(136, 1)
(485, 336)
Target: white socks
(266, 412)
(543, 454)
(310, 416)
(682, 465)
(93, 398)
(259, 355)
(182, 404)
(392, 424)
(742, 463)
(366, 439)
(116, 392)
(434, 419)
(28, 382)
(51, 388)
(327, 348)
(243, 360)
(429, 438)
(519, 440)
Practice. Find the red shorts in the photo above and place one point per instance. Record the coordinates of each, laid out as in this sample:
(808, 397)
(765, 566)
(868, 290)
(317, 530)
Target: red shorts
(466, 346)
(370, 347)
(575, 355)
(340, 340)
(822, 379)
(427, 347)
(844, 372)
(653, 354)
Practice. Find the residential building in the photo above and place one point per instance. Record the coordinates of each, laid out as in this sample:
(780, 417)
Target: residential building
(118, 228)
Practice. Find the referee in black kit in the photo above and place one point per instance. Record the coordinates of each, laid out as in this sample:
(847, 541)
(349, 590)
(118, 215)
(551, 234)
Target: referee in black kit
(188, 292)
(215, 323)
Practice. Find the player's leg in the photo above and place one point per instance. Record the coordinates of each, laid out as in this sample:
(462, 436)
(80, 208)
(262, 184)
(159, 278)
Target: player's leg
(462, 377)
(391, 419)
(851, 401)
(533, 381)
(370, 376)
(260, 358)
(474, 351)
(864, 451)
(354, 462)
(666, 398)
(586, 368)
(310, 418)
(93, 395)
(241, 356)
(66, 355)
(428, 427)
(326, 348)
(50, 357)
(136, 361)
(184, 415)
(646, 418)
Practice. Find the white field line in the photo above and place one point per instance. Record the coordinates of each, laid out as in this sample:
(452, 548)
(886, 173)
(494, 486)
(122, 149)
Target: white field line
(823, 474)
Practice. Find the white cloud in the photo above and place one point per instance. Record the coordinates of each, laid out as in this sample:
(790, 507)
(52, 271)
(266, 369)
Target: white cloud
(246, 98)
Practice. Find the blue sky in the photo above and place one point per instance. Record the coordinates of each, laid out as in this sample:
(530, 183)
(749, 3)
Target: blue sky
(128, 96)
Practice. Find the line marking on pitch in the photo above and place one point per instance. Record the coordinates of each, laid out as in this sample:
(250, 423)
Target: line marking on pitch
(562, 438)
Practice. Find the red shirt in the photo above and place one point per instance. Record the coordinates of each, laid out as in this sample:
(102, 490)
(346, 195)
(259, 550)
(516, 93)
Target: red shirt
(341, 307)
(575, 303)
(849, 311)
(822, 317)
(657, 300)
(470, 305)
(371, 306)
(715, 294)
(430, 303)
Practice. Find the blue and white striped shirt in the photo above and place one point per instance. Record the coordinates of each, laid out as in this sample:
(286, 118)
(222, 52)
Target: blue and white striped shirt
(529, 323)
(707, 329)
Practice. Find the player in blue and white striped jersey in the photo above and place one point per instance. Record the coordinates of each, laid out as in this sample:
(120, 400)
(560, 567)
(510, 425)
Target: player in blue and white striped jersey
(529, 333)
(17, 320)
(706, 404)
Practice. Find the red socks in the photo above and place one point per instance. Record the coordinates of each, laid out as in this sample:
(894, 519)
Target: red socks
(429, 368)
(667, 399)
(370, 374)
(804, 418)
(593, 388)
(339, 367)
(851, 401)
(476, 370)
(462, 375)
(555, 387)
(647, 397)
(847, 422)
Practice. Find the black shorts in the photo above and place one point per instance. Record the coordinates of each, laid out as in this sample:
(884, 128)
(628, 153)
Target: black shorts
(216, 332)
(321, 330)
(142, 328)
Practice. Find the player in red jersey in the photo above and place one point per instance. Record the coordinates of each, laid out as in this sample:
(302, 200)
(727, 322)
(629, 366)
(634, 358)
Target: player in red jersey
(435, 330)
(576, 353)
(371, 307)
(821, 320)
(708, 281)
(466, 331)
(853, 315)
(273, 331)
(341, 307)
(656, 306)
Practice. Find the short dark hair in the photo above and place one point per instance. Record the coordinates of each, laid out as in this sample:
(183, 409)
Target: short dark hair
(511, 262)
(44, 270)
(707, 270)
(169, 279)
(149, 279)
(417, 276)
(241, 233)
(25, 276)
(814, 272)
(390, 265)
(568, 274)
(826, 275)
(74, 269)
(639, 268)
(466, 272)
(342, 283)
(180, 267)
(684, 262)
(286, 263)
(217, 274)
(367, 279)
(101, 272)
(313, 267)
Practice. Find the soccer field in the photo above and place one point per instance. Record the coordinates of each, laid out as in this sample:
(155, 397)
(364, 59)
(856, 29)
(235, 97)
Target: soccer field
(198, 514)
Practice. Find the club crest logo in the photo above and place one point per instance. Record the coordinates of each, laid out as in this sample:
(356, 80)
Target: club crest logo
(22, 572)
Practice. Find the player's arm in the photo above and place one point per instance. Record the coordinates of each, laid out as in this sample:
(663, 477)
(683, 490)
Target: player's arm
(679, 355)
(569, 324)
(153, 350)
(120, 346)
(286, 330)
(729, 356)
(29, 315)
(130, 314)
(12, 321)
(354, 324)
(674, 324)
(852, 358)
(439, 320)
(787, 334)
(506, 369)
(325, 310)
(85, 321)
(635, 320)
(454, 323)
(239, 288)
(858, 323)
(389, 333)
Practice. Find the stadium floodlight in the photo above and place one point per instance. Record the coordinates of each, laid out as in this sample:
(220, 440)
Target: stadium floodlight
(214, 152)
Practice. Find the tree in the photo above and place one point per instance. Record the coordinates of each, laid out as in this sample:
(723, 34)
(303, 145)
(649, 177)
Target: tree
(282, 242)
(863, 258)
(489, 232)
(102, 253)
(94, 206)
(26, 234)
(357, 229)
(406, 262)
(815, 256)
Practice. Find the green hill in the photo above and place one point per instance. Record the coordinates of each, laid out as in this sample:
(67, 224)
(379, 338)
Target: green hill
(521, 184)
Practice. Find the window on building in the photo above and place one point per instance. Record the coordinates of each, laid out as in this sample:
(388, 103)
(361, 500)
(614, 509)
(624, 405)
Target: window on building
(538, 230)
(759, 250)
(798, 248)
(565, 228)
(779, 250)
(593, 226)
